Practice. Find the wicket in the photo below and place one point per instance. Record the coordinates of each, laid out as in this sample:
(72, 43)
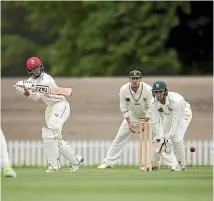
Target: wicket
(144, 136)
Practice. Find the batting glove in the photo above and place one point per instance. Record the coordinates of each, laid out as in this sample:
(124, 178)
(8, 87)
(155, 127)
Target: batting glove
(20, 87)
(20, 90)
(28, 85)
(20, 83)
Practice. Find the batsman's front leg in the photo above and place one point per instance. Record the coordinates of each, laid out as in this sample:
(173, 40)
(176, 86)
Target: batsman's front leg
(68, 152)
(51, 149)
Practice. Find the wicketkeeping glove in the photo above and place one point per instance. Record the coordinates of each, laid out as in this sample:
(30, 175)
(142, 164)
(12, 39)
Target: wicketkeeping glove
(169, 145)
(158, 145)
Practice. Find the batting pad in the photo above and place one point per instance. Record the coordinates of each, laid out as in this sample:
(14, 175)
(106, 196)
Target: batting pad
(179, 149)
(67, 152)
(170, 159)
(156, 159)
(51, 148)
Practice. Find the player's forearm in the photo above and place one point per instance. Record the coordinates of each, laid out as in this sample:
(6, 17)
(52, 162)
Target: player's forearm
(26, 93)
(34, 96)
(124, 109)
(128, 120)
(148, 115)
(125, 112)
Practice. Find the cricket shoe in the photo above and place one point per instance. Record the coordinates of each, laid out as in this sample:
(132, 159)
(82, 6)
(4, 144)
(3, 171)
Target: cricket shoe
(104, 166)
(182, 168)
(52, 170)
(75, 167)
(175, 168)
(9, 172)
(154, 168)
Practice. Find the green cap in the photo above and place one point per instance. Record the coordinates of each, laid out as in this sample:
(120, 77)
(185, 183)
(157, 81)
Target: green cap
(135, 73)
(159, 86)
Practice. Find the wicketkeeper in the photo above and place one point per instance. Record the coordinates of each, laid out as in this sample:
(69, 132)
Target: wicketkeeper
(174, 116)
(56, 114)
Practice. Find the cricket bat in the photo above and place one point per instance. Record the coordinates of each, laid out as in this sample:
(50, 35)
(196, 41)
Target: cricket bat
(51, 90)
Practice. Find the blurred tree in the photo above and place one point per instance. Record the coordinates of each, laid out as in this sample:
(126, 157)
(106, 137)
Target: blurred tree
(13, 46)
(193, 38)
(122, 36)
(92, 38)
(20, 40)
(110, 38)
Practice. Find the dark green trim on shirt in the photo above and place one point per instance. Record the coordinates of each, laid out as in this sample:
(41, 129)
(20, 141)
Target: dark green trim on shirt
(139, 95)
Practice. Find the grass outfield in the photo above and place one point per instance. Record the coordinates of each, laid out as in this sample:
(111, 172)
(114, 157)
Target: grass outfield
(119, 184)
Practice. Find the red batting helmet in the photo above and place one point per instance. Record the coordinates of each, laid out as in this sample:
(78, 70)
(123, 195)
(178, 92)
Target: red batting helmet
(34, 67)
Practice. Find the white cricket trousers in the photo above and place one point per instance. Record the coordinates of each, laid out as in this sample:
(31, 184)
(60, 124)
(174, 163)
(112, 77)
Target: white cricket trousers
(181, 128)
(56, 116)
(123, 136)
(179, 133)
(5, 161)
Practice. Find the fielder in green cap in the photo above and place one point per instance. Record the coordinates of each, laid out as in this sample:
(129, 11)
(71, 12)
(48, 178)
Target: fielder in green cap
(135, 97)
(135, 74)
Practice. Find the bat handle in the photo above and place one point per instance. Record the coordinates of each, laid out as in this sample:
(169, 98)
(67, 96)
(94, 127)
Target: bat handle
(17, 85)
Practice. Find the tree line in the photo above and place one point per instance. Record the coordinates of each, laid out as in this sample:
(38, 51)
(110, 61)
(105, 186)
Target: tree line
(84, 38)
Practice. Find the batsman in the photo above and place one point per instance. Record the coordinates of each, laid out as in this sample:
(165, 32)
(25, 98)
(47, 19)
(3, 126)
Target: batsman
(174, 115)
(56, 114)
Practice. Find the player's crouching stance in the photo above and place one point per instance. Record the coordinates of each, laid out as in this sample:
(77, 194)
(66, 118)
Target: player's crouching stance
(56, 114)
(135, 97)
(174, 116)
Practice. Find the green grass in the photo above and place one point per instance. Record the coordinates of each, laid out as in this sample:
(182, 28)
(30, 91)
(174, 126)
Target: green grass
(118, 184)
